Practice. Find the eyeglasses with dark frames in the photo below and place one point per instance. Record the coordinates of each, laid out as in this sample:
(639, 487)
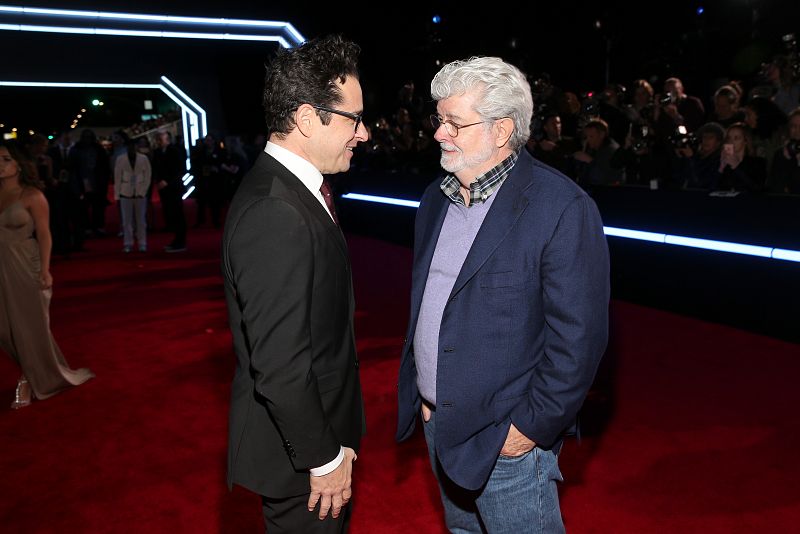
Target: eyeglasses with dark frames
(355, 117)
(450, 127)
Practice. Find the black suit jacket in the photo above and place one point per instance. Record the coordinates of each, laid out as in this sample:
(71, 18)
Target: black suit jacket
(296, 395)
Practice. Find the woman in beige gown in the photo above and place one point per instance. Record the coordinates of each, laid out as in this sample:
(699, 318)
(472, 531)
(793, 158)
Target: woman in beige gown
(25, 284)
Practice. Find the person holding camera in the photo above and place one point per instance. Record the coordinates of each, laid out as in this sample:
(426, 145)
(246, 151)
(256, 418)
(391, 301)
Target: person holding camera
(595, 160)
(739, 169)
(786, 162)
(697, 167)
(551, 147)
(676, 108)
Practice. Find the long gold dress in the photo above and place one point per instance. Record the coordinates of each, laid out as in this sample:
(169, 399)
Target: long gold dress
(24, 309)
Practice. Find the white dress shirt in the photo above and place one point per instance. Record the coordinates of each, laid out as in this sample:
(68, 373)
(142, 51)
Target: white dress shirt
(302, 168)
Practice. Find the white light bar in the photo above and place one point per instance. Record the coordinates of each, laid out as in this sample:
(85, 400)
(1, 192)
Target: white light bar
(192, 103)
(187, 193)
(654, 237)
(382, 200)
(269, 27)
(80, 84)
(189, 119)
(187, 179)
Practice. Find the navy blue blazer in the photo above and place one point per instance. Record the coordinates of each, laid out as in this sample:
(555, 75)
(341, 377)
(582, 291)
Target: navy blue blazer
(525, 326)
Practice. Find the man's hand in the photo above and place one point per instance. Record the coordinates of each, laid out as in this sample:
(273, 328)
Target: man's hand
(516, 443)
(333, 491)
(426, 413)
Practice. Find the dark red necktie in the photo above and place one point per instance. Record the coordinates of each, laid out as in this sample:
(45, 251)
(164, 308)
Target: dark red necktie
(327, 194)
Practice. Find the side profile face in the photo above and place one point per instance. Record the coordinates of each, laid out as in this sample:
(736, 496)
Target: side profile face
(471, 152)
(674, 87)
(9, 168)
(332, 150)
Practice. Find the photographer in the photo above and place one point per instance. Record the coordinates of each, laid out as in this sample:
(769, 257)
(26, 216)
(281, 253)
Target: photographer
(675, 108)
(550, 147)
(698, 167)
(785, 173)
(595, 160)
(740, 170)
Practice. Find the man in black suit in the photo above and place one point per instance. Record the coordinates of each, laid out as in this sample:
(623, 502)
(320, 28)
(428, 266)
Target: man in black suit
(296, 414)
(169, 166)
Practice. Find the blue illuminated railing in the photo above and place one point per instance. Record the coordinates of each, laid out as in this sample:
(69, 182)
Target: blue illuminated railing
(653, 237)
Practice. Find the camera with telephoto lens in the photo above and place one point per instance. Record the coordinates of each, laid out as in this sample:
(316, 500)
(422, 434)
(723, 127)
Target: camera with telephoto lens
(682, 138)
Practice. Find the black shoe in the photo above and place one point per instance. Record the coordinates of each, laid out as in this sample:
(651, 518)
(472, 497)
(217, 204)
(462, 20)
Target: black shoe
(175, 248)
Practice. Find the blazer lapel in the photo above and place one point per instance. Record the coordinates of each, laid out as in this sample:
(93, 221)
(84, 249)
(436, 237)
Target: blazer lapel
(506, 209)
(422, 263)
(309, 201)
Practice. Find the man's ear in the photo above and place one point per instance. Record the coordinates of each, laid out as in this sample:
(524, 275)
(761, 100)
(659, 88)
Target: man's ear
(305, 119)
(504, 128)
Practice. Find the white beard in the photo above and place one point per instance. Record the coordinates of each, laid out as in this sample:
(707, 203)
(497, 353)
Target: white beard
(454, 162)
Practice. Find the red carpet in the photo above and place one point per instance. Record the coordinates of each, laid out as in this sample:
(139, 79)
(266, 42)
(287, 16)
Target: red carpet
(691, 428)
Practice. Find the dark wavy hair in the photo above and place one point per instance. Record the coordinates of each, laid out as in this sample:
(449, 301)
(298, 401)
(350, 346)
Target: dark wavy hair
(28, 176)
(307, 75)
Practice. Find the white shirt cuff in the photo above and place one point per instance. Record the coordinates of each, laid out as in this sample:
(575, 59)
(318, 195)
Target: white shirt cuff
(330, 466)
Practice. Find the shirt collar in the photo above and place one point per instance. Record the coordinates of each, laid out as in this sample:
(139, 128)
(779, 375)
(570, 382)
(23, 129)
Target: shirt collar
(484, 185)
(300, 167)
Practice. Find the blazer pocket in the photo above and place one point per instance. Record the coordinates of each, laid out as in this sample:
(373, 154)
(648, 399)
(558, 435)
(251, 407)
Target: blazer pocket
(328, 382)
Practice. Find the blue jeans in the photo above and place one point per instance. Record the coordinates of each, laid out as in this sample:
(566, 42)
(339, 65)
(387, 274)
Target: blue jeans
(519, 497)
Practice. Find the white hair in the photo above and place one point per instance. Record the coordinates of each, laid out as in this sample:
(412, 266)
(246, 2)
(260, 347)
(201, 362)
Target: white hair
(505, 91)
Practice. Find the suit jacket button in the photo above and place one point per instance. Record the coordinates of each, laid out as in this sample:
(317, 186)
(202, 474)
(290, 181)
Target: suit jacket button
(449, 349)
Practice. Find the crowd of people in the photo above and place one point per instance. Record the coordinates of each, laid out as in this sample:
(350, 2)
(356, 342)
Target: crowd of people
(83, 178)
(739, 141)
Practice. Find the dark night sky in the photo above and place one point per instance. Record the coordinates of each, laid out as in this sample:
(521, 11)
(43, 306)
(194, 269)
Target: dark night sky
(730, 39)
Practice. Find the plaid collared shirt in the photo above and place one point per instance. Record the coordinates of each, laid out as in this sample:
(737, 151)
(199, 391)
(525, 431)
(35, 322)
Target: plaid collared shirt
(483, 186)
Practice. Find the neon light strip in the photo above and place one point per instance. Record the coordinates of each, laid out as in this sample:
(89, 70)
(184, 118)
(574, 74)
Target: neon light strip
(34, 12)
(147, 33)
(188, 116)
(187, 193)
(203, 121)
(653, 237)
(382, 200)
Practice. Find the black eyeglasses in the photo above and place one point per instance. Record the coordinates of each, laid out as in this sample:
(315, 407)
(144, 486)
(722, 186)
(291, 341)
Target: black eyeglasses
(450, 127)
(355, 117)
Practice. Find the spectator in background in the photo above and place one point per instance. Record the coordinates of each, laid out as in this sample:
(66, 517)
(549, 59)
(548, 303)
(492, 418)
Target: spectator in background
(206, 159)
(53, 192)
(169, 166)
(610, 109)
(132, 176)
(726, 106)
(785, 175)
(699, 168)
(767, 124)
(234, 165)
(90, 174)
(595, 167)
(554, 149)
(780, 74)
(740, 170)
(676, 108)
